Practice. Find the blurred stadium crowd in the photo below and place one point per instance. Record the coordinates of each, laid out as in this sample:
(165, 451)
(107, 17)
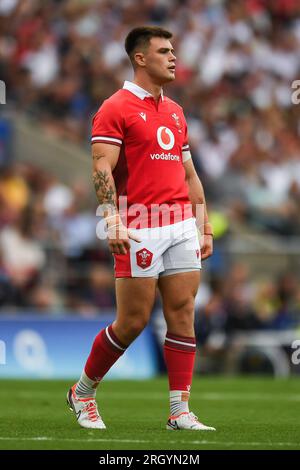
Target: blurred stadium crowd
(236, 61)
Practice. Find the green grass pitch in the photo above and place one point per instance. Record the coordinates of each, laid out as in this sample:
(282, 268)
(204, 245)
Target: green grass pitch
(249, 413)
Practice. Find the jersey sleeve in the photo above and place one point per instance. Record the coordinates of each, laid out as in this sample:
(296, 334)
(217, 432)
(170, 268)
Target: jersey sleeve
(186, 154)
(108, 125)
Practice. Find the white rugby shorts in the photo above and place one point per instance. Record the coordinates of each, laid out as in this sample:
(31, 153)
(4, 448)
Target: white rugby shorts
(162, 251)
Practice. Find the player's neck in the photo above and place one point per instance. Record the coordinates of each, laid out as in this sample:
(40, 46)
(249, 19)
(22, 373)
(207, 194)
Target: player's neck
(152, 88)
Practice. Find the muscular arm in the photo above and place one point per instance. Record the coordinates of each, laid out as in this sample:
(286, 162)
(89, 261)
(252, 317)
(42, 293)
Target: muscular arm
(105, 158)
(197, 198)
(196, 193)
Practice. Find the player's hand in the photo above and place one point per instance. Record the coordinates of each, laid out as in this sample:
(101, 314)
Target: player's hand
(119, 237)
(206, 246)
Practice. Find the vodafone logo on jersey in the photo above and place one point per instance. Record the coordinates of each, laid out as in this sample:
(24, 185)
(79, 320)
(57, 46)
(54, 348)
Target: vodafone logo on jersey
(165, 138)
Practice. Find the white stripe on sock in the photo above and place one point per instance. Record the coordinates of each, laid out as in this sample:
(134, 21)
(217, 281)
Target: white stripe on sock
(180, 342)
(112, 341)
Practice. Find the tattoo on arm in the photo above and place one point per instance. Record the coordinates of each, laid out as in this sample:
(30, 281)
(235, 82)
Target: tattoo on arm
(105, 190)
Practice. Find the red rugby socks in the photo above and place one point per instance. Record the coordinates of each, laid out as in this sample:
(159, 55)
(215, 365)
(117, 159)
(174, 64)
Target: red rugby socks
(106, 350)
(179, 353)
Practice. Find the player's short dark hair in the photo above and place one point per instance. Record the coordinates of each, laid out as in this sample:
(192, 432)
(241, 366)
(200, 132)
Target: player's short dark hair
(140, 37)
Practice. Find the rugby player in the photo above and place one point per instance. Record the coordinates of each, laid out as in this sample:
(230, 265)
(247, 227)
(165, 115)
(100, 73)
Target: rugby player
(150, 193)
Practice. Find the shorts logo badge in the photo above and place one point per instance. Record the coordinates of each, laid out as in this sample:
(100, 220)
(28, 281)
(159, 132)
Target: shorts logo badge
(198, 253)
(144, 258)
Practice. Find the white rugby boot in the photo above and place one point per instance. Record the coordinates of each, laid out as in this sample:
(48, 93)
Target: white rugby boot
(85, 409)
(187, 421)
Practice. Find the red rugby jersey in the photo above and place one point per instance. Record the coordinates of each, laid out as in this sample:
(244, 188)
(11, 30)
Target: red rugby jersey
(153, 146)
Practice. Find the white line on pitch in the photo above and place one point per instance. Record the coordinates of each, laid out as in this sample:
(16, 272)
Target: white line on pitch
(42, 438)
(139, 441)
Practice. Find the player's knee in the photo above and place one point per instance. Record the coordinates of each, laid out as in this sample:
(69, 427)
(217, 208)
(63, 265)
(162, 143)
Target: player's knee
(132, 328)
(137, 325)
(184, 308)
(181, 316)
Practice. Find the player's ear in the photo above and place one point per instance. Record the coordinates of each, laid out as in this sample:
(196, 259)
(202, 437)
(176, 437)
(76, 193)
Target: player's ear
(139, 58)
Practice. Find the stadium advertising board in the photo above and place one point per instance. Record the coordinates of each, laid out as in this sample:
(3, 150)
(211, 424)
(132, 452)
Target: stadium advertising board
(47, 347)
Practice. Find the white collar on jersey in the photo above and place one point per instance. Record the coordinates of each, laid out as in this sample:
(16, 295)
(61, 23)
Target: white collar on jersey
(137, 90)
